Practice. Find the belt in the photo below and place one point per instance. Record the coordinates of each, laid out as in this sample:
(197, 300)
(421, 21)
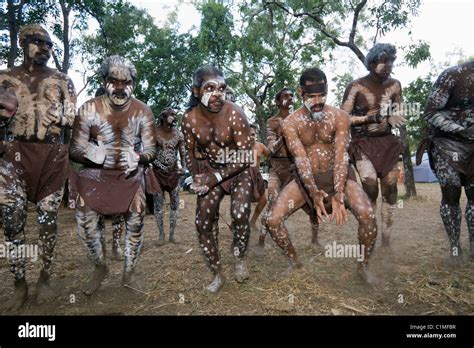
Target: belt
(61, 138)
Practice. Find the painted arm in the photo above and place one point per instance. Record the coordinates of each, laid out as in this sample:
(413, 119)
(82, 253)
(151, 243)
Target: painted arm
(189, 143)
(438, 115)
(182, 151)
(274, 142)
(348, 104)
(148, 138)
(341, 161)
(81, 133)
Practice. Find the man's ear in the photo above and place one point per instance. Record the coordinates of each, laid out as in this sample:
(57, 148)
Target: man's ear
(195, 91)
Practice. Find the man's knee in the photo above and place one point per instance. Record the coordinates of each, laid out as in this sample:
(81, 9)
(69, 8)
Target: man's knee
(451, 194)
(274, 220)
(371, 188)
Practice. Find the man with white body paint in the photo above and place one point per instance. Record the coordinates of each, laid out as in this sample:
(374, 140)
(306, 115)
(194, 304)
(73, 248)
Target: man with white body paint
(282, 167)
(170, 141)
(213, 126)
(113, 137)
(373, 102)
(39, 103)
(450, 117)
(317, 136)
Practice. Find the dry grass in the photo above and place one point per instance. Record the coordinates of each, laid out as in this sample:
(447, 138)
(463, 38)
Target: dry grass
(172, 277)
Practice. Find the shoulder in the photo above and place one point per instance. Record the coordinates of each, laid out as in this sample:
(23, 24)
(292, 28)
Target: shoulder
(339, 114)
(233, 110)
(141, 106)
(273, 122)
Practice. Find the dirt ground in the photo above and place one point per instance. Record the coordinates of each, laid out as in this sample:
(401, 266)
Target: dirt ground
(417, 279)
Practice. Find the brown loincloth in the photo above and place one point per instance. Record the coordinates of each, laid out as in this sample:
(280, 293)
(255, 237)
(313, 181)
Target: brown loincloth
(383, 152)
(324, 181)
(284, 168)
(105, 191)
(205, 167)
(43, 167)
(257, 184)
(459, 154)
(167, 180)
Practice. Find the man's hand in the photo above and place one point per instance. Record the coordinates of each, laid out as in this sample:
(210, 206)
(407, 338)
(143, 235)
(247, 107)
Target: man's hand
(52, 116)
(202, 183)
(339, 212)
(318, 202)
(95, 153)
(396, 121)
(129, 160)
(375, 118)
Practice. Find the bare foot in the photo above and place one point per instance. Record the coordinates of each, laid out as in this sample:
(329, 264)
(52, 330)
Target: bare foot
(315, 242)
(293, 266)
(368, 277)
(44, 292)
(18, 298)
(260, 251)
(216, 284)
(240, 270)
(117, 251)
(95, 279)
(129, 281)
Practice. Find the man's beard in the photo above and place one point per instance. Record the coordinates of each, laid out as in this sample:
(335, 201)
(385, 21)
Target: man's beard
(316, 116)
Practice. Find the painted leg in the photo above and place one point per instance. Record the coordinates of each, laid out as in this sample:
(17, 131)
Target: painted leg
(207, 210)
(117, 228)
(174, 206)
(47, 218)
(158, 206)
(277, 217)
(361, 206)
(91, 236)
(133, 243)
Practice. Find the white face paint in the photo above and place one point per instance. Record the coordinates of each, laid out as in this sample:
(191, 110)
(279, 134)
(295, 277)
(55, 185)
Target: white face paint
(119, 87)
(379, 68)
(311, 103)
(205, 98)
(211, 88)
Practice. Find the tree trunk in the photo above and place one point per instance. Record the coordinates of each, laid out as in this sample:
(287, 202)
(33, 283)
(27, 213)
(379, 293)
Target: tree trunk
(262, 123)
(408, 166)
(14, 14)
(66, 54)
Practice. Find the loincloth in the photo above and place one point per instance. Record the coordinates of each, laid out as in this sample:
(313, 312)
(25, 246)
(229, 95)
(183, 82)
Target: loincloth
(205, 167)
(106, 191)
(284, 168)
(324, 181)
(383, 152)
(167, 180)
(43, 167)
(257, 183)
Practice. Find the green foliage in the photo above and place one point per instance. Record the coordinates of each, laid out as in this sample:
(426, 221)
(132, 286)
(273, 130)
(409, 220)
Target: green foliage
(417, 53)
(415, 96)
(342, 81)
